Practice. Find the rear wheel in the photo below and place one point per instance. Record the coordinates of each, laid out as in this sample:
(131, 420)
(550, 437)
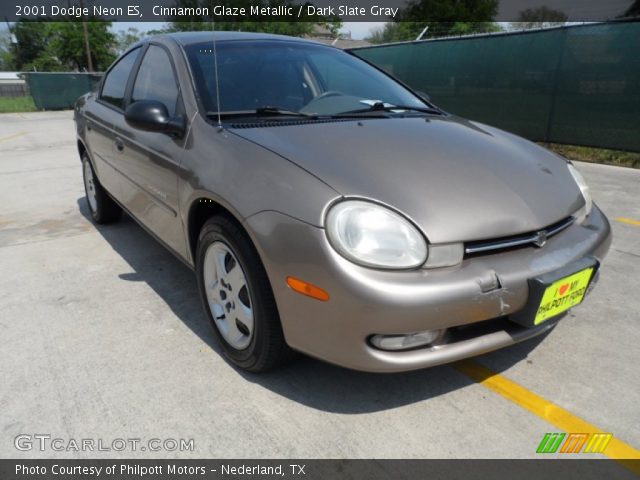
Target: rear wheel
(237, 297)
(103, 209)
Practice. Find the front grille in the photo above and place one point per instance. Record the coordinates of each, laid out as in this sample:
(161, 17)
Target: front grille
(537, 238)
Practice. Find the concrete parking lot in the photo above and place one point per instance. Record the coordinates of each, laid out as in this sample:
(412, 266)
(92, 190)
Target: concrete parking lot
(102, 336)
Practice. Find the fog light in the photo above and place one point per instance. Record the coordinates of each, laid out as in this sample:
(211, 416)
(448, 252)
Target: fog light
(405, 342)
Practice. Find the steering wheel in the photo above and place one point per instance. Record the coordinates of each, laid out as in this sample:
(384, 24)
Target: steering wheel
(329, 93)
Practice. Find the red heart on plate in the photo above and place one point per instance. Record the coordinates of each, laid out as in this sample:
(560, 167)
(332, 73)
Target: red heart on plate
(563, 289)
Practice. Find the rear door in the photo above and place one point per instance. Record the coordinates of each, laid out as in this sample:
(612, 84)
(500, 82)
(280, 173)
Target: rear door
(101, 116)
(150, 161)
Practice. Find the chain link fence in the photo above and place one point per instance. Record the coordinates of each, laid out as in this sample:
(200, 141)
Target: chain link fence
(577, 85)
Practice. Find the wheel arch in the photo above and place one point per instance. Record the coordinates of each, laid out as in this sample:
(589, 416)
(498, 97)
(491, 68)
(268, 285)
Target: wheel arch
(82, 149)
(202, 209)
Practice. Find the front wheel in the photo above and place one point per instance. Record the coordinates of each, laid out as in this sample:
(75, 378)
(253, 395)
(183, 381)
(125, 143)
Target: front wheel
(102, 207)
(237, 297)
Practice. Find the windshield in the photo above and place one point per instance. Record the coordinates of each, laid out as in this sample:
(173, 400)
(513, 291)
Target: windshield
(292, 77)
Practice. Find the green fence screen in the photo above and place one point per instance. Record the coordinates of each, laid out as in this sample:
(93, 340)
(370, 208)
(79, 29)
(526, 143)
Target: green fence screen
(58, 91)
(576, 85)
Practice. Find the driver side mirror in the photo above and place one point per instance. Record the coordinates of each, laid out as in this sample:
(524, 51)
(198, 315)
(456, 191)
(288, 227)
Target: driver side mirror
(152, 116)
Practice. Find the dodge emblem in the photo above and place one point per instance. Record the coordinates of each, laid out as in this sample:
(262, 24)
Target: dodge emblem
(541, 239)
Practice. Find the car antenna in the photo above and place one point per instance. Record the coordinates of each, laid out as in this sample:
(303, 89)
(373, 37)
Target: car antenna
(215, 66)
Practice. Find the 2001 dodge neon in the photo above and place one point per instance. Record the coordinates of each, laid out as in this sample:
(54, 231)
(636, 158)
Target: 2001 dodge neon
(328, 208)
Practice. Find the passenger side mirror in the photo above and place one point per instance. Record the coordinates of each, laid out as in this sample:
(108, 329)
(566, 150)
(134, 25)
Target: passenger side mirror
(152, 116)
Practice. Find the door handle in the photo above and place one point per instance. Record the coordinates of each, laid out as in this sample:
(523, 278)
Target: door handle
(119, 144)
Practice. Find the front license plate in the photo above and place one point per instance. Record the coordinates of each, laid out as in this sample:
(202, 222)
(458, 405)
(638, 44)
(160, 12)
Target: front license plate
(563, 294)
(556, 292)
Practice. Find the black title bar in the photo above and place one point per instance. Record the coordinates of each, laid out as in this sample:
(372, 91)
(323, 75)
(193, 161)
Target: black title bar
(311, 10)
(583, 469)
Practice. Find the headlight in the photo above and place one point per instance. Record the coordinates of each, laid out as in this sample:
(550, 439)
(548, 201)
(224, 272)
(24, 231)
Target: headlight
(584, 188)
(375, 236)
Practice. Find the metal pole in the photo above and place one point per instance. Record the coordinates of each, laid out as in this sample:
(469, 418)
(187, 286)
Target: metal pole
(422, 33)
(87, 46)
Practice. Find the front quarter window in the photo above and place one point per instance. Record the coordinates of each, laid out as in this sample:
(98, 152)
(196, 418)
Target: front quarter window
(115, 81)
(155, 80)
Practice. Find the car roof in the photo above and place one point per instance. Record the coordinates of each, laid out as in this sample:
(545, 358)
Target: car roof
(189, 38)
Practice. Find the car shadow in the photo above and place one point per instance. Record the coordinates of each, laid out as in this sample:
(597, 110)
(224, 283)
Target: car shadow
(308, 381)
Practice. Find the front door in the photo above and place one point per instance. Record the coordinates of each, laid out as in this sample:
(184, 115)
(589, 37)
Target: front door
(149, 161)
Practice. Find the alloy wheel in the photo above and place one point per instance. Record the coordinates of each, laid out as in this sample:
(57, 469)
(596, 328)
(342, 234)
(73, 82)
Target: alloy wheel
(228, 295)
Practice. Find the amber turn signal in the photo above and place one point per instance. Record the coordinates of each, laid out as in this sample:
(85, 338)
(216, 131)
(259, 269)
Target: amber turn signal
(307, 289)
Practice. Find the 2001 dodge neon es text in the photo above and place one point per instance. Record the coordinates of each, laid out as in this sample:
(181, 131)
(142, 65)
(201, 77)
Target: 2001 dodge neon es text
(329, 209)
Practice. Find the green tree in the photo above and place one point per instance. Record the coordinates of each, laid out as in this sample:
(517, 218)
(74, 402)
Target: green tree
(282, 26)
(406, 31)
(442, 17)
(6, 54)
(391, 32)
(67, 44)
(126, 38)
(296, 29)
(31, 42)
(541, 17)
(60, 46)
(333, 24)
(632, 11)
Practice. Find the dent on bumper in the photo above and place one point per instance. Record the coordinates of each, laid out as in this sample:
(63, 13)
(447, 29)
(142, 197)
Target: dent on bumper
(365, 301)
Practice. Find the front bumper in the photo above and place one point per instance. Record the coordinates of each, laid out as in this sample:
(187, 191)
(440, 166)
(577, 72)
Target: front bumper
(364, 301)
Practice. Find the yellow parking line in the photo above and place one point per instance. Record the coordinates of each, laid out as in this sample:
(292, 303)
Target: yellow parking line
(549, 411)
(11, 137)
(628, 221)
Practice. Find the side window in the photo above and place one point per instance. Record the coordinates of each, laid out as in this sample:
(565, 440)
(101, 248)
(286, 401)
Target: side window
(155, 80)
(115, 83)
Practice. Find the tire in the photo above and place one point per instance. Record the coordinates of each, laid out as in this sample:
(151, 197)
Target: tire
(237, 297)
(102, 207)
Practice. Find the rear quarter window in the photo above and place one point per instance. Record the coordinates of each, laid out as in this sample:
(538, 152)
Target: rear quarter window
(115, 82)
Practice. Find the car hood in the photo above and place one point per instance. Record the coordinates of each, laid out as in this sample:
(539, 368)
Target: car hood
(458, 180)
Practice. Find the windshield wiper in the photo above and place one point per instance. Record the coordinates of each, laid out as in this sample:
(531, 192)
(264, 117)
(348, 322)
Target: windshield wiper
(385, 107)
(266, 111)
